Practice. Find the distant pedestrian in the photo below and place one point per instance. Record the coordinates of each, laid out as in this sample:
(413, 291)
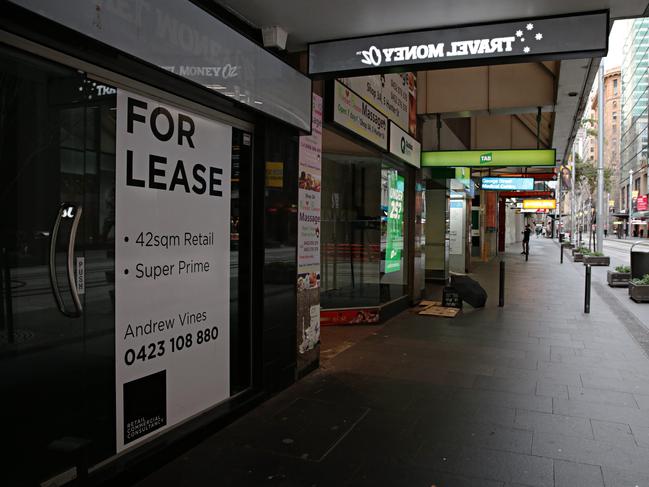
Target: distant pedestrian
(605, 233)
(526, 240)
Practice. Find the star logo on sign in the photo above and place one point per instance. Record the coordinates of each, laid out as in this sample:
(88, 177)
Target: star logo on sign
(526, 49)
(538, 36)
(522, 39)
(519, 33)
(529, 26)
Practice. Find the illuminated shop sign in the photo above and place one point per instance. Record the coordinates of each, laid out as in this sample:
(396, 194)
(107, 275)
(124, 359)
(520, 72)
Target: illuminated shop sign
(494, 158)
(508, 184)
(583, 35)
(539, 204)
(394, 237)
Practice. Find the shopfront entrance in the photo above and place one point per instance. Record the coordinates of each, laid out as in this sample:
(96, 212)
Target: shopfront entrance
(57, 136)
(57, 267)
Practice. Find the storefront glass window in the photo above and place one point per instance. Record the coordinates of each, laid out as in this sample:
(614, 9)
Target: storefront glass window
(363, 232)
(57, 149)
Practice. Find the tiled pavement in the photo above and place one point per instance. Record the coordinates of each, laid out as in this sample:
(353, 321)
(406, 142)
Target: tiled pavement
(534, 394)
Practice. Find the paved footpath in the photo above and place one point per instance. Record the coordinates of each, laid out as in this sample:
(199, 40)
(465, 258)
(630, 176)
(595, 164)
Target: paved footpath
(533, 394)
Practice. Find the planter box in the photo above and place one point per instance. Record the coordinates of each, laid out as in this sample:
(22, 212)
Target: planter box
(568, 245)
(640, 294)
(618, 279)
(577, 257)
(603, 260)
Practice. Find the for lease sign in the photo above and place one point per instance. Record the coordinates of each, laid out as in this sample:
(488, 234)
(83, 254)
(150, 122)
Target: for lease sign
(172, 266)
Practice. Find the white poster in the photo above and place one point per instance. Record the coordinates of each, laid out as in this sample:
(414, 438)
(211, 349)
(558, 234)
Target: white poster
(456, 234)
(308, 233)
(172, 266)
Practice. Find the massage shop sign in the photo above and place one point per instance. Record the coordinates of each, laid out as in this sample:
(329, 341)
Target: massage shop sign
(308, 233)
(172, 266)
(355, 114)
(394, 94)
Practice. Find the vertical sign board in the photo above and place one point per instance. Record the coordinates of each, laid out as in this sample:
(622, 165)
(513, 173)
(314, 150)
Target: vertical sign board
(308, 234)
(172, 262)
(394, 240)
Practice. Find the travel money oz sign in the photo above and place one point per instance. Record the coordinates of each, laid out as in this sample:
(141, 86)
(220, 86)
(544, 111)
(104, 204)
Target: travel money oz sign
(172, 263)
(583, 35)
(186, 40)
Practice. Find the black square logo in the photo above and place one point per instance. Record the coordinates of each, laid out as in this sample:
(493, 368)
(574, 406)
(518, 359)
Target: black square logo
(145, 405)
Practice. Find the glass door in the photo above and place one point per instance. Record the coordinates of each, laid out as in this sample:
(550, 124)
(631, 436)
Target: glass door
(57, 175)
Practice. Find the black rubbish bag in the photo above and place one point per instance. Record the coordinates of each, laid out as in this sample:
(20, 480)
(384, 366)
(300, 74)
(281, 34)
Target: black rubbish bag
(470, 290)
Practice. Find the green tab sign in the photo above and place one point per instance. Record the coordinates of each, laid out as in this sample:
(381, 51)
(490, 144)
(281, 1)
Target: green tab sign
(486, 158)
(495, 158)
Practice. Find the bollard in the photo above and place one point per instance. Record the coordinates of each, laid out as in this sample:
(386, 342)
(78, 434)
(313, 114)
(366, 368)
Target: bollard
(501, 291)
(587, 294)
(561, 246)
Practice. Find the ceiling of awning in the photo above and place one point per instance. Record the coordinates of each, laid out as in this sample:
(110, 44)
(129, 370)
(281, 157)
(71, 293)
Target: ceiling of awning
(309, 21)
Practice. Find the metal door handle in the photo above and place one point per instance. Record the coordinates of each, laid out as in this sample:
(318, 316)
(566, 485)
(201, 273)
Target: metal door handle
(65, 211)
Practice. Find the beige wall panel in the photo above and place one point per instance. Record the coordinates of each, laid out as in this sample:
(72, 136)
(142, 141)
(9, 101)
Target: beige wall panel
(429, 137)
(492, 132)
(421, 91)
(522, 138)
(520, 85)
(454, 90)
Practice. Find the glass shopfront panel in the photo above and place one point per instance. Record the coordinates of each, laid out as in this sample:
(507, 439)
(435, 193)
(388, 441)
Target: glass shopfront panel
(363, 256)
(57, 267)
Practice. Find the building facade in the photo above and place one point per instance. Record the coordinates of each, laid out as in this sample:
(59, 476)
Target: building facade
(612, 131)
(148, 248)
(633, 148)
